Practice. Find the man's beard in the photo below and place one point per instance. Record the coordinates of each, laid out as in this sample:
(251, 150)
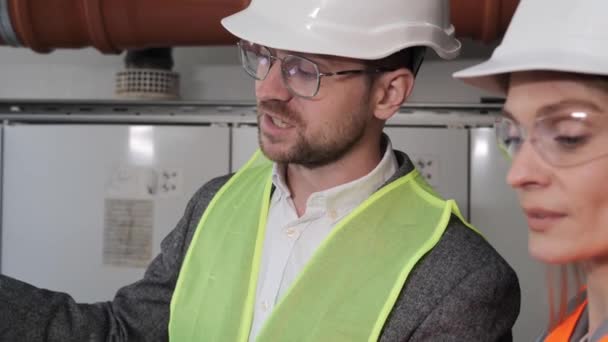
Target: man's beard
(313, 151)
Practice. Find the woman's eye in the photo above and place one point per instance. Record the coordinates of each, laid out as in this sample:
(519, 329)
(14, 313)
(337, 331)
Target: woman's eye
(512, 141)
(567, 133)
(570, 142)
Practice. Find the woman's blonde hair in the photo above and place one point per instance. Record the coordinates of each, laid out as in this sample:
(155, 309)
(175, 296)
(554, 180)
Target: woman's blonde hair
(566, 284)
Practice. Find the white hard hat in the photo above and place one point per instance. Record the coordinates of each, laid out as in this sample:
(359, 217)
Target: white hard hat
(551, 35)
(360, 29)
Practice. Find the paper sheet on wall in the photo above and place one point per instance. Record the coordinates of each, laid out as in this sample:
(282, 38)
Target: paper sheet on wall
(128, 232)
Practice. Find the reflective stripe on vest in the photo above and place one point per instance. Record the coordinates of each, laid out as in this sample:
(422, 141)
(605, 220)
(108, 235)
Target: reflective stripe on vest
(345, 292)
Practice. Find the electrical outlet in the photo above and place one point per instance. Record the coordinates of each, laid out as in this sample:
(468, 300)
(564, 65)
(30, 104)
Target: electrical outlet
(428, 166)
(169, 182)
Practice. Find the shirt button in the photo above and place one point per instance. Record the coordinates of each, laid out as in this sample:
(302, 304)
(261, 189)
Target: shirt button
(265, 305)
(333, 214)
(290, 232)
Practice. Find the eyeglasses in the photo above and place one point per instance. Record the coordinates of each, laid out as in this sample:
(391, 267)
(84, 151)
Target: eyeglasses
(562, 140)
(299, 74)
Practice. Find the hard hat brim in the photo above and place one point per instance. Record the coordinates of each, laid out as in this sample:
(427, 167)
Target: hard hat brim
(493, 75)
(281, 35)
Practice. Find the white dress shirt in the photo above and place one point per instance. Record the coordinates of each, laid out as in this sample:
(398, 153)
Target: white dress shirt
(291, 241)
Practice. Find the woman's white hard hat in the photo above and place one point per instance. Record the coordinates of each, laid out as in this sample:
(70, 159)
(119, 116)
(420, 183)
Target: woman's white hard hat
(550, 35)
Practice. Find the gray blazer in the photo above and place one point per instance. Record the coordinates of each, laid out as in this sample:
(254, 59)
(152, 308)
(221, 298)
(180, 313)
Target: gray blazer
(462, 290)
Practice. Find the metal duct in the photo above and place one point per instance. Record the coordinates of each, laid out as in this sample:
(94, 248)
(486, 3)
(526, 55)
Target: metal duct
(115, 25)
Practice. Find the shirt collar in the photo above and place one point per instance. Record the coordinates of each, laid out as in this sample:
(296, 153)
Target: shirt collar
(343, 198)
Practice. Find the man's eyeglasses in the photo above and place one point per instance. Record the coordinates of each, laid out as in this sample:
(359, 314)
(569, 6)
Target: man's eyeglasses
(300, 75)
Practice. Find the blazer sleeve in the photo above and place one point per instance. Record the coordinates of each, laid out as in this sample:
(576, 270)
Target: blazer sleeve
(138, 312)
(482, 307)
(462, 290)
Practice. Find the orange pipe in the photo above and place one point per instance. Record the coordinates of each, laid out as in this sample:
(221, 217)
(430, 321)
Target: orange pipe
(115, 25)
(484, 20)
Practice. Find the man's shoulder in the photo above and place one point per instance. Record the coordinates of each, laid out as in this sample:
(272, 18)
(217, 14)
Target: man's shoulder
(460, 253)
(202, 197)
(463, 247)
(206, 192)
(462, 257)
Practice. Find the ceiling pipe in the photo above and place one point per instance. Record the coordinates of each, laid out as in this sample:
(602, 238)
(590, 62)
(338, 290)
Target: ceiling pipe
(115, 25)
(482, 20)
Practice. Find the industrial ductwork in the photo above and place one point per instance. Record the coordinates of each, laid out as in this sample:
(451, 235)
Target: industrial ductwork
(148, 75)
(115, 25)
(482, 20)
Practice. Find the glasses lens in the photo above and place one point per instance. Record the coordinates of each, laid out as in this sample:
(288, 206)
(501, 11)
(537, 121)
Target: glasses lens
(301, 75)
(508, 136)
(255, 59)
(572, 138)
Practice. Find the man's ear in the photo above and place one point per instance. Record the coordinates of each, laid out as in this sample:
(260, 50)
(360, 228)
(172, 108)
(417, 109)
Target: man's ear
(391, 89)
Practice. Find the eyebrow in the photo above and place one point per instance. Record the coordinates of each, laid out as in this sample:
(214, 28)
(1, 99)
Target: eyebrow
(323, 61)
(565, 104)
(319, 59)
(316, 58)
(556, 107)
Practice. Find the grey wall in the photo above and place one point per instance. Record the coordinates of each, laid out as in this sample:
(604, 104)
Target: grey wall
(210, 73)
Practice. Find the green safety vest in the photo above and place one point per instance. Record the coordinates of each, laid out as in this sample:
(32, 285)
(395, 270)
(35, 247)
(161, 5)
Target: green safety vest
(345, 292)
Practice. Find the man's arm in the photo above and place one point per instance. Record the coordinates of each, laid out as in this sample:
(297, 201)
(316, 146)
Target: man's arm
(483, 307)
(462, 290)
(139, 312)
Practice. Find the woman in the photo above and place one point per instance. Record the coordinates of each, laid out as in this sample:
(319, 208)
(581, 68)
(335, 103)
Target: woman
(553, 67)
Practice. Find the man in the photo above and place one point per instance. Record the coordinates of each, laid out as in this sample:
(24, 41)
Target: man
(328, 234)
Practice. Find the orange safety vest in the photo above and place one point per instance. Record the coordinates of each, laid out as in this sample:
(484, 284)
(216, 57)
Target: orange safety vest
(564, 331)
